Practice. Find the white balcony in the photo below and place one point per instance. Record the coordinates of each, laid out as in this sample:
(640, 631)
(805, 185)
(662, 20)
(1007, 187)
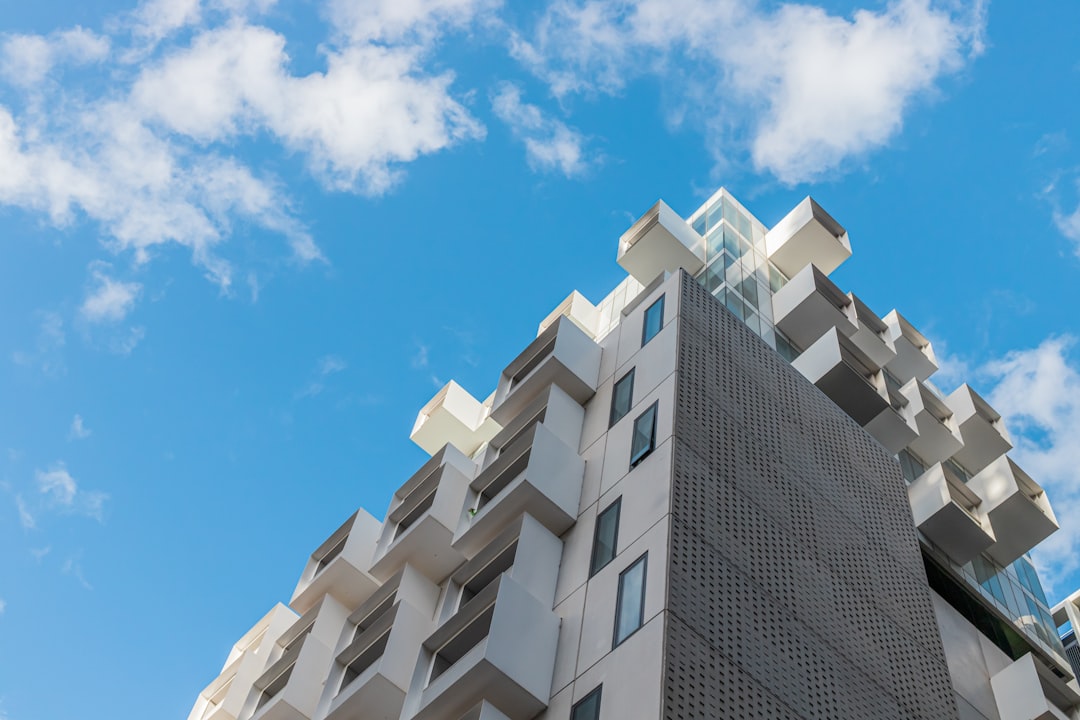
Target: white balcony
(564, 355)
(1021, 692)
(456, 417)
(839, 370)
(948, 513)
(939, 438)
(660, 241)
(224, 698)
(499, 647)
(339, 567)
(807, 235)
(1018, 509)
(422, 518)
(537, 473)
(981, 427)
(870, 333)
(579, 310)
(894, 427)
(914, 354)
(809, 305)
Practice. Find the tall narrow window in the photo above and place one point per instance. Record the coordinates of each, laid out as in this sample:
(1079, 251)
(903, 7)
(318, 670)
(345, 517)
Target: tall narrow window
(644, 437)
(622, 397)
(654, 320)
(588, 707)
(630, 605)
(606, 537)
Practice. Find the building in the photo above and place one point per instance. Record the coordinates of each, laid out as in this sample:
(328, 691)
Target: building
(728, 490)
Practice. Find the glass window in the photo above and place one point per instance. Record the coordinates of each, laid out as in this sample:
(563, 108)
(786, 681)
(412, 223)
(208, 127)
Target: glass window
(630, 605)
(654, 320)
(606, 537)
(777, 279)
(715, 215)
(622, 397)
(699, 224)
(644, 437)
(588, 708)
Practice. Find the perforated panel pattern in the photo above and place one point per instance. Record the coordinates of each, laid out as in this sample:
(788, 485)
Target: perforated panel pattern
(796, 588)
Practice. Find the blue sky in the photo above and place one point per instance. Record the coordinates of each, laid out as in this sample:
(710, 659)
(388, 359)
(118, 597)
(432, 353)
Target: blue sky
(244, 241)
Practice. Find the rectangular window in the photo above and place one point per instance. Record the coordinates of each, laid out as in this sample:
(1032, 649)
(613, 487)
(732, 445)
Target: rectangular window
(644, 437)
(654, 320)
(605, 538)
(588, 707)
(630, 605)
(622, 397)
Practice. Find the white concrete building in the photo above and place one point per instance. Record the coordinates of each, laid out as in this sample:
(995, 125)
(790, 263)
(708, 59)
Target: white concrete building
(727, 490)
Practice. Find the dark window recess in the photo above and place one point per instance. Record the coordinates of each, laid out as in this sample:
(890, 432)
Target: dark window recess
(644, 437)
(654, 320)
(630, 604)
(588, 707)
(622, 397)
(606, 537)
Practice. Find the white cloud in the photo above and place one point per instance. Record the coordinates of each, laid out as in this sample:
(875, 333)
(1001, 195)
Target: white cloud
(549, 144)
(49, 343)
(325, 367)
(801, 90)
(60, 490)
(26, 519)
(111, 300)
(3, 606)
(39, 553)
(395, 20)
(26, 60)
(78, 430)
(1068, 224)
(1038, 392)
(73, 566)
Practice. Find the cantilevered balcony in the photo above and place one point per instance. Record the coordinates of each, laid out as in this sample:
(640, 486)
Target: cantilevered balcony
(807, 235)
(948, 512)
(563, 354)
(660, 241)
(290, 688)
(939, 438)
(500, 647)
(1028, 690)
(869, 333)
(1017, 506)
(580, 311)
(423, 515)
(536, 473)
(839, 370)
(914, 355)
(224, 698)
(456, 417)
(339, 566)
(981, 427)
(809, 305)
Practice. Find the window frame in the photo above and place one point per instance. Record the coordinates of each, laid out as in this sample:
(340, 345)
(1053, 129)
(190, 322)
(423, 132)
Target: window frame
(616, 641)
(635, 460)
(595, 692)
(645, 337)
(616, 507)
(629, 375)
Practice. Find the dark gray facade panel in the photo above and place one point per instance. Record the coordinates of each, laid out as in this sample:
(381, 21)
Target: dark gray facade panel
(796, 583)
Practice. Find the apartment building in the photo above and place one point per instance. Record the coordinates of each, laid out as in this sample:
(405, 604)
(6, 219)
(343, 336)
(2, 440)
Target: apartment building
(727, 490)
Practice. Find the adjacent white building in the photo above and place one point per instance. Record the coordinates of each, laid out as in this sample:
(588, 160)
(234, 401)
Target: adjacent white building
(727, 490)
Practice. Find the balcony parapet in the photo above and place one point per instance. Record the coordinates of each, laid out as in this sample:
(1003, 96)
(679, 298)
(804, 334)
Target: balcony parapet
(914, 355)
(456, 417)
(981, 427)
(870, 333)
(660, 241)
(843, 373)
(809, 305)
(807, 235)
(564, 355)
(939, 438)
(477, 655)
(948, 513)
(1017, 506)
(579, 310)
(537, 473)
(1027, 690)
(422, 517)
(339, 566)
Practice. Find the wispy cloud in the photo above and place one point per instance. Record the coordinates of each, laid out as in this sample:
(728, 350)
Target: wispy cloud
(26, 519)
(61, 491)
(3, 605)
(78, 430)
(325, 367)
(550, 145)
(420, 358)
(39, 553)
(47, 354)
(110, 300)
(73, 566)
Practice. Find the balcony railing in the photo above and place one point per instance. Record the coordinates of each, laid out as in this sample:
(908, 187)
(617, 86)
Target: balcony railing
(981, 427)
(948, 513)
(339, 566)
(1017, 506)
(660, 241)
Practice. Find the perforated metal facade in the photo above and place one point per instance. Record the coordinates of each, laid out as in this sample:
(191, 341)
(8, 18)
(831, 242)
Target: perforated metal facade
(796, 585)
